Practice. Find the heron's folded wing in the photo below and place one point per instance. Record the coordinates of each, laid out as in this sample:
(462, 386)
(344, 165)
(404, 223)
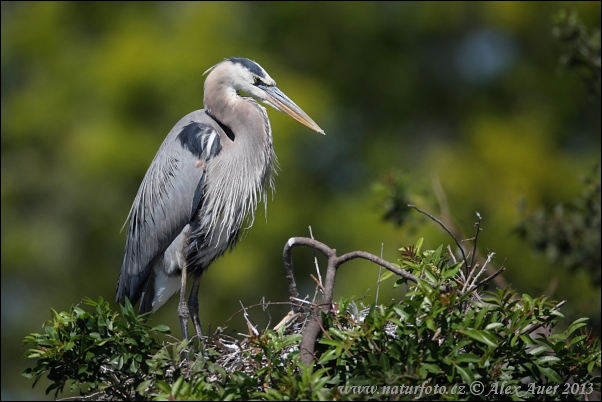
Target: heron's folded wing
(170, 194)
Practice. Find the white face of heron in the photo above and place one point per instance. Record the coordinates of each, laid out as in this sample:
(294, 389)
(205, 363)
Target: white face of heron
(236, 75)
(245, 76)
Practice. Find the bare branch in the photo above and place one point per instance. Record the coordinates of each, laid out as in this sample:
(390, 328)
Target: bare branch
(311, 331)
(383, 263)
(476, 239)
(444, 228)
(489, 278)
(380, 268)
(316, 261)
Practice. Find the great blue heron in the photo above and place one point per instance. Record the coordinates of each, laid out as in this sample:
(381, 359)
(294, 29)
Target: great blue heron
(205, 181)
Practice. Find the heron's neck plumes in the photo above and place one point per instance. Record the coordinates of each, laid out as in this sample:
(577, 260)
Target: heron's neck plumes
(249, 158)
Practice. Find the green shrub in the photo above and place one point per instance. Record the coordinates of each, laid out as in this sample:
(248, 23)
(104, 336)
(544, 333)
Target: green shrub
(102, 349)
(468, 343)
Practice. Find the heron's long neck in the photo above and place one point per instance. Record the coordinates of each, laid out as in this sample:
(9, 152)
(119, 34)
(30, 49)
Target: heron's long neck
(244, 117)
(249, 157)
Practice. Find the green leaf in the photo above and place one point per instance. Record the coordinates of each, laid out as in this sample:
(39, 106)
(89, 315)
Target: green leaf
(581, 322)
(527, 339)
(590, 366)
(538, 350)
(176, 386)
(528, 300)
(162, 328)
(466, 358)
(432, 368)
(163, 386)
(419, 245)
(479, 318)
(450, 272)
(480, 336)
(328, 355)
(547, 359)
(384, 362)
(578, 339)
(465, 373)
(386, 276)
(494, 325)
(133, 366)
(551, 374)
(429, 274)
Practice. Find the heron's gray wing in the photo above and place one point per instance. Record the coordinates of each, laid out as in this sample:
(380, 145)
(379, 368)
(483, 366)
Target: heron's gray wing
(170, 194)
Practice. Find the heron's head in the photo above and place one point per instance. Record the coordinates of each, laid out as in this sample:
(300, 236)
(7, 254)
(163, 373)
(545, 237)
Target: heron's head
(244, 75)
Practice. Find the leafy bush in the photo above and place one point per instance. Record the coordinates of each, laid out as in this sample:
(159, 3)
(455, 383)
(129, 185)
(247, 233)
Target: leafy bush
(453, 340)
(470, 344)
(102, 349)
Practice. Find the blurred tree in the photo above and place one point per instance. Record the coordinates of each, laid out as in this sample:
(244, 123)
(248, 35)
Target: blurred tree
(581, 47)
(569, 233)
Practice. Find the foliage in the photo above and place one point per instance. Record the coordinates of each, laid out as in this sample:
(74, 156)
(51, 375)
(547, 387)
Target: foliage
(393, 189)
(452, 340)
(401, 350)
(99, 349)
(581, 47)
(569, 233)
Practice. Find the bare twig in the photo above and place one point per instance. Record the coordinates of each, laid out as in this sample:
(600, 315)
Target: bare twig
(287, 318)
(82, 397)
(446, 217)
(444, 228)
(476, 238)
(262, 305)
(472, 277)
(451, 254)
(380, 268)
(316, 261)
(317, 281)
(250, 325)
(489, 278)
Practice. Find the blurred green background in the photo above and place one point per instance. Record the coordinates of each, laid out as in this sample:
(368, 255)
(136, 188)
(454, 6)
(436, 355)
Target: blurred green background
(463, 99)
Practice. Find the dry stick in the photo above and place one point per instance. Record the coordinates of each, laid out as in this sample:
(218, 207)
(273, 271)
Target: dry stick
(476, 238)
(478, 275)
(316, 261)
(446, 216)
(310, 334)
(446, 229)
(270, 303)
(382, 245)
(247, 318)
(290, 275)
(489, 278)
(311, 331)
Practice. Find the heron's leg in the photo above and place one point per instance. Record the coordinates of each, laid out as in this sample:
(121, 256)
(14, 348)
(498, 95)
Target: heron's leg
(193, 305)
(183, 312)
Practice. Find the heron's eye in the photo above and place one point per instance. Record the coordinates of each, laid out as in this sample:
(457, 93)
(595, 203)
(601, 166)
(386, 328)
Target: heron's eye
(256, 80)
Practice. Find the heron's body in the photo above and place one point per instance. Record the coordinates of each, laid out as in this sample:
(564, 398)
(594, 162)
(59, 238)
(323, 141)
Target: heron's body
(205, 181)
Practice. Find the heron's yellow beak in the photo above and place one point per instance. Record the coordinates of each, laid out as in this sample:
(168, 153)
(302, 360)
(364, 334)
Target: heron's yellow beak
(279, 101)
